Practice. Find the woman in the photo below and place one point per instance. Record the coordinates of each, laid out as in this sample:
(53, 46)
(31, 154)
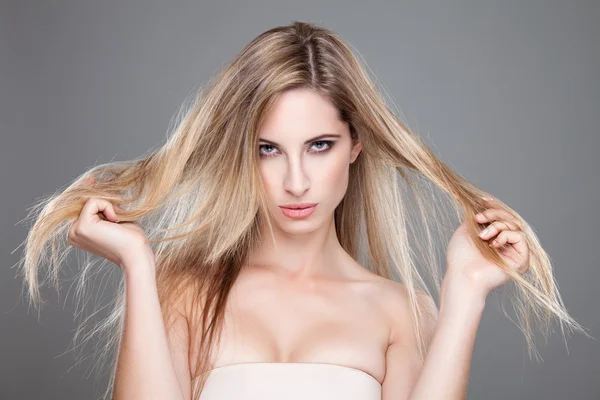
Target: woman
(241, 243)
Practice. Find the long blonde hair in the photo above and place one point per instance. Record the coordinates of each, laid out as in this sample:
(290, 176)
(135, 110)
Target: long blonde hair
(200, 198)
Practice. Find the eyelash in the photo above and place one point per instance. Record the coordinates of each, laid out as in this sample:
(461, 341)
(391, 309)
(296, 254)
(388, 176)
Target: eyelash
(329, 144)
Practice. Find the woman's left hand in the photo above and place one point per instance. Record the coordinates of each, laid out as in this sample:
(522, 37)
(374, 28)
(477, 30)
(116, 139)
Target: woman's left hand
(466, 263)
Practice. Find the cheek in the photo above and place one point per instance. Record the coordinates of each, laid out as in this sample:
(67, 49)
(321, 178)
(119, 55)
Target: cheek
(269, 179)
(333, 173)
(334, 178)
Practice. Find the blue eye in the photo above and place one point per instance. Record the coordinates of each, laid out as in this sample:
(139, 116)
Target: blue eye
(267, 154)
(328, 145)
(327, 142)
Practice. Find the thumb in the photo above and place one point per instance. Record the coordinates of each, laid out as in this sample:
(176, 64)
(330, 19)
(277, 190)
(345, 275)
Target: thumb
(109, 212)
(117, 209)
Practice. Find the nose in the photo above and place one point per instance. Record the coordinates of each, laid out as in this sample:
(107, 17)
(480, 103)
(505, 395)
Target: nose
(296, 181)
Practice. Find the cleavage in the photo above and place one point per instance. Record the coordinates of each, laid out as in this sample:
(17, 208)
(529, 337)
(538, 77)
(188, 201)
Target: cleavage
(279, 324)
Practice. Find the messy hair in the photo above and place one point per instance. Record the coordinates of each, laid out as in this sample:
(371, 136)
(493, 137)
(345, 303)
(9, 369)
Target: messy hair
(200, 199)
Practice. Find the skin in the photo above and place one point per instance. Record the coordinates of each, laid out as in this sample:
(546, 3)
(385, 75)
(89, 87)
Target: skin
(307, 300)
(338, 315)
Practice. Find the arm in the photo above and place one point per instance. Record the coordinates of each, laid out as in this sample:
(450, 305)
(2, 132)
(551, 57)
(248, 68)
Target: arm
(450, 336)
(470, 277)
(149, 365)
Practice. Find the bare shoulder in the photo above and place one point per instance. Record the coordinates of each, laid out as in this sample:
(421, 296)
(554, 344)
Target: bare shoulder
(403, 357)
(393, 298)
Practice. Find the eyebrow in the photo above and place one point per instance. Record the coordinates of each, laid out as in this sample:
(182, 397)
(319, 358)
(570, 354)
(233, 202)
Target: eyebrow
(326, 135)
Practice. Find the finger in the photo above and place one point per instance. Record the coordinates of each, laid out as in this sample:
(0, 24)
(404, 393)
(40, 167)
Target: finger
(500, 223)
(494, 228)
(94, 206)
(117, 209)
(513, 238)
(494, 214)
(488, 198)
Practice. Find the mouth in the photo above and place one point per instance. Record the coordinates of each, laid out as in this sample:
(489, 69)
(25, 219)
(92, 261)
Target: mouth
(298, 211)
(298, 206)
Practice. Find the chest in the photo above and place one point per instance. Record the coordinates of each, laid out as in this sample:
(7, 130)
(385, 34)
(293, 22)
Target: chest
(329, 323)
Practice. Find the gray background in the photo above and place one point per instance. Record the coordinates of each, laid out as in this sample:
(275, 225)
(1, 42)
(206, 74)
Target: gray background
(507, 92)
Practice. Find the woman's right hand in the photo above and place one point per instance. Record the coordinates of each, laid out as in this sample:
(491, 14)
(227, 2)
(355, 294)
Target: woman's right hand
(118, 242)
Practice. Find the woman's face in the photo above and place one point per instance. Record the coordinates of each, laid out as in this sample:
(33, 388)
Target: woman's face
(305, 152)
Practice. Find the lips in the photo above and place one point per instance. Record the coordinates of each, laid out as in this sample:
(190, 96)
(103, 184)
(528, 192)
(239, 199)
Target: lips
(299, 206)
(299, 212)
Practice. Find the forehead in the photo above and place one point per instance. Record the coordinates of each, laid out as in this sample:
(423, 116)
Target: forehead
(299, 114)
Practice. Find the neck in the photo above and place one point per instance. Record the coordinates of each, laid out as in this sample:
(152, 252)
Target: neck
(300, 256)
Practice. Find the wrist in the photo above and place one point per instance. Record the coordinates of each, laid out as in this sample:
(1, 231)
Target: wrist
(139, 264)
(457, 294)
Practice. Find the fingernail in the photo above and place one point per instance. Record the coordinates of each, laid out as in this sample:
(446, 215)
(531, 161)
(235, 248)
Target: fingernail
(484, 232)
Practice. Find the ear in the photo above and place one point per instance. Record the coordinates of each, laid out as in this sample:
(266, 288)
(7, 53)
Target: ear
(356, 149)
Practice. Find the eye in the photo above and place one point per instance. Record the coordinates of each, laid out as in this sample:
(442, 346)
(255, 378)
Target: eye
(329, 144)
(324, 146)
(268, 154)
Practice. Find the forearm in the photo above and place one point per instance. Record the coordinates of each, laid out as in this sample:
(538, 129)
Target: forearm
(445, 370)
(144, 368)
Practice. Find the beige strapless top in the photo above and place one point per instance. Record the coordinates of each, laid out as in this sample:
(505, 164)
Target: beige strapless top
(290, 381)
